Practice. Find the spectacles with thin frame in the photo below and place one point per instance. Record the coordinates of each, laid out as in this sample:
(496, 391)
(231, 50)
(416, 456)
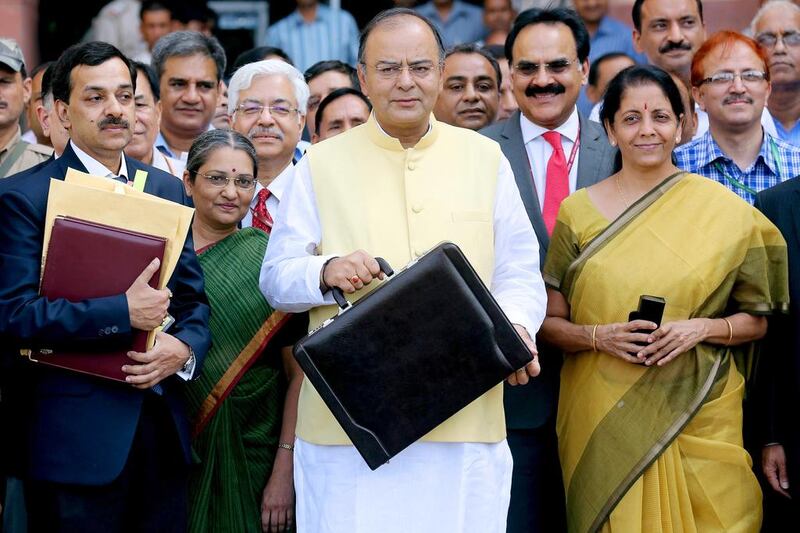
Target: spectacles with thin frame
(558, 66)
(770, 40)
(391, 71)
(725, 79)
(244, 182)
(251, 109)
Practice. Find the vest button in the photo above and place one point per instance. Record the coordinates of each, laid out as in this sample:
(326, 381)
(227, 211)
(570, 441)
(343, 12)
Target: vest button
(411, 166)
(417, 208)
(417, 253)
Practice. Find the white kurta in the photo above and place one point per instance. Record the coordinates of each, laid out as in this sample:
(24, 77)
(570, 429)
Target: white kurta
(434, 487)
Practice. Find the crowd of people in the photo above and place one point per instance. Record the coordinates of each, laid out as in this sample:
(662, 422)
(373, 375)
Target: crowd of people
(578, 163)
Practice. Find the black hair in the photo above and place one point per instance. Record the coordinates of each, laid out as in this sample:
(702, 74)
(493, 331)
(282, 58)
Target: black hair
(154, 5)
(41, 67)
(498, 51)
(47, 80)
(332, 65)
(91, 54)
(186, 44)
(152, 79)
(594, 68)
(259, 54)
(551, 16)
(388, 14)
(636, 13)
(637, 76)
(472, 48)
(335, 95)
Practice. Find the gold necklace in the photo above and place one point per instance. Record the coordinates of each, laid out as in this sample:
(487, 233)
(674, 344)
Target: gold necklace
(622, 194)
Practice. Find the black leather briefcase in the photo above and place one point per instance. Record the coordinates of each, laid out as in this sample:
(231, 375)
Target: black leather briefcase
(410, 354)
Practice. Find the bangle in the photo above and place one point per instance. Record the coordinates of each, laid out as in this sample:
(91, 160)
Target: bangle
(594, 338)
(730, 331)
(323, 287)
(286, 446)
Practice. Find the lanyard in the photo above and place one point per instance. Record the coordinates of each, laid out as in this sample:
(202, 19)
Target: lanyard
(738, 184)
(573, 152)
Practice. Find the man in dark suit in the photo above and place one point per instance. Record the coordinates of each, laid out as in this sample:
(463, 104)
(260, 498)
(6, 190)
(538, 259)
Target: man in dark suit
(99, 455)
(553, 150)
(778, 376)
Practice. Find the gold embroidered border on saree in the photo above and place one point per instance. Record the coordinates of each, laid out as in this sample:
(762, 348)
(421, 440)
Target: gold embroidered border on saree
(709, 254)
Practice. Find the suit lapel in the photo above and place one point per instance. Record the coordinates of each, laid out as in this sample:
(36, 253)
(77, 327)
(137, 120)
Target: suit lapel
(514, 149)
(590, 157)
(69, 160)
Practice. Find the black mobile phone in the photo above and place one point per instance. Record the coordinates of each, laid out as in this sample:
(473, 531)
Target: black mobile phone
(651, 308)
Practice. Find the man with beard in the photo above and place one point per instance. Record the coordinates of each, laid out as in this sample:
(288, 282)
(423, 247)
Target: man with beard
(470, 97)
(549, 141)
(189, 66)
(267, 102)
(731, 82)
(776, 27)
(148, 117)
(99, 455)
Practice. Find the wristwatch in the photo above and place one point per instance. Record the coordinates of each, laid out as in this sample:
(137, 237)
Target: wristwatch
(188, 366)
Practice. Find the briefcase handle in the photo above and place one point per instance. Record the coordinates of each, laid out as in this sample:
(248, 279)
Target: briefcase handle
(338, 294)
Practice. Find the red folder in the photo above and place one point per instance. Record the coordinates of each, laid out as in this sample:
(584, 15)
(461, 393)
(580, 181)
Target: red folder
(89, 260)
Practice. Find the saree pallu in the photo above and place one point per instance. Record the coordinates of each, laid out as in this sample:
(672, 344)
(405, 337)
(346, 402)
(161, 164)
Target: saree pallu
(235, 404)
(660, 448)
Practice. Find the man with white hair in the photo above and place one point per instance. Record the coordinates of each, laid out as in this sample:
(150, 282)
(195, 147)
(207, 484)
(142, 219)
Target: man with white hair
(776, 27)
(267, 101)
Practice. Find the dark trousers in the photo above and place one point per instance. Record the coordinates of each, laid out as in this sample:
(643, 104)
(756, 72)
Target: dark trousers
(537, 490)
(150, 495)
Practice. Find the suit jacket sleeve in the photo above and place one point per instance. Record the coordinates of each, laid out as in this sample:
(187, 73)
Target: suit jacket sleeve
(189, 305)
(28, 318)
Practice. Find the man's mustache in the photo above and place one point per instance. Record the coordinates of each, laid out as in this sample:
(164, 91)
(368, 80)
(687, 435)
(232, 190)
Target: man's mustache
(553, 88)
(260, 130)
(737, 98)
(114, 121)
(669, 46)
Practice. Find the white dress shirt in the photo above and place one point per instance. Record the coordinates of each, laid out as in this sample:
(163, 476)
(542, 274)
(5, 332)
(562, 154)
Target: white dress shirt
(96, 168)
(277, 188)
(290, 274)
(168, 164)
(539, 150)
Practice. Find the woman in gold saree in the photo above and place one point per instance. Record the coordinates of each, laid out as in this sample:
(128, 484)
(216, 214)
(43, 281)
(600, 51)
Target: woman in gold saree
(650, 418)
(242, 410)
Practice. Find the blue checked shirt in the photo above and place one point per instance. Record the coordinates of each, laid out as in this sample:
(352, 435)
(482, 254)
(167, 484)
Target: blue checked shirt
(464, 24)
(332, 35)
(703, 155)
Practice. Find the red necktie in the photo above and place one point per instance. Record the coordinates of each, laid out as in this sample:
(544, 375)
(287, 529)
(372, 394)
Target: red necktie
(261, 218)
(557, 186)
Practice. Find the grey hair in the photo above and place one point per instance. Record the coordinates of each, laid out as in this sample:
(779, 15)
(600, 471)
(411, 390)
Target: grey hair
(766, 7)
(208, 142)
(244, 76)
(184, 44)
(384, 17)
(48, 101)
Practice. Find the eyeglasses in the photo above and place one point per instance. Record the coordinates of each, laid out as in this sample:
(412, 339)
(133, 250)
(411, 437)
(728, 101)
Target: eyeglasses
(769, 39)
(724, 79)
(244, 182)
(392, 71)
(559, 66)
(251, 109)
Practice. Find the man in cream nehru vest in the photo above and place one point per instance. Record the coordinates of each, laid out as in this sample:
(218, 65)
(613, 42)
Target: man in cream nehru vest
(395, 187)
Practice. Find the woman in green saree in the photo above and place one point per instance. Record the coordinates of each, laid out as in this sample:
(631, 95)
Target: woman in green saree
(242, 409)
(650, 418)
